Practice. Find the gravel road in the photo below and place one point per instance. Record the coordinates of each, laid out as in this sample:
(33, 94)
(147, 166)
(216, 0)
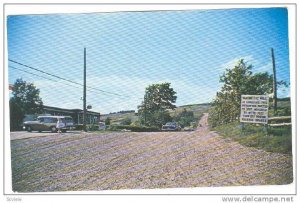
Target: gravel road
(125, 160)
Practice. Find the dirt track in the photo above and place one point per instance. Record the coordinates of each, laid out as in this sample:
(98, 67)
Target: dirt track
(120, 160)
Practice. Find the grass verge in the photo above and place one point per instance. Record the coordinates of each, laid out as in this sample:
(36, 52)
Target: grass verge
(272, 140)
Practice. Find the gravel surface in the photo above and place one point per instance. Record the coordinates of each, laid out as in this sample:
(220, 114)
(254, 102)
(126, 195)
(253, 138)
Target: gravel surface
(125, 160)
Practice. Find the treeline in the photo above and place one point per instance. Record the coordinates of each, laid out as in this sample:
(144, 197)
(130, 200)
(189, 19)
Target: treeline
(25, 100)
(122, 112)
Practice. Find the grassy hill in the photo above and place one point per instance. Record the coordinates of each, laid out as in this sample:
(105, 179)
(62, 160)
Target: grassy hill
(120, 117)
(197, 109)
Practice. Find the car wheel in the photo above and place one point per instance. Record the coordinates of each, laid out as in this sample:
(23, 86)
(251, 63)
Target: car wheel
(29, 129)
(53, 129)
(63, 131)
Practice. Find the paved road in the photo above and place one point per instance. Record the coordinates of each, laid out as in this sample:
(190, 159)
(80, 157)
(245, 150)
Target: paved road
(124, 160)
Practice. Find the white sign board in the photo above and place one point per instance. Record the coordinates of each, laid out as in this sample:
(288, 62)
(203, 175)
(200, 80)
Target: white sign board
(254, 109)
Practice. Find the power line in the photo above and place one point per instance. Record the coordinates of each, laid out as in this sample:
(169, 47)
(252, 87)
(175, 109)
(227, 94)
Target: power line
(48, 78)
(32, 73)
(63, 81)
(67, 80)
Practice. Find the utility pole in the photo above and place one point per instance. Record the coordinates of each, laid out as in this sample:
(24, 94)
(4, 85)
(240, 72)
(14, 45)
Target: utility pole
(145, 108)
(84, 91)
(274, 83)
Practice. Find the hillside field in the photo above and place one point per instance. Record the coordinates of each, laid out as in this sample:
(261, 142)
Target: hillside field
(118, 118)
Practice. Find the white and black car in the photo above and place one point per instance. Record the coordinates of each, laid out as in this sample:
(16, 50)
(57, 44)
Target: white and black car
(48, 123)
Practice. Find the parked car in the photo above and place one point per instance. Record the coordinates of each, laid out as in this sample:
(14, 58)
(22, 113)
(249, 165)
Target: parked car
(188, 128)
(48, 123)
(171, 126)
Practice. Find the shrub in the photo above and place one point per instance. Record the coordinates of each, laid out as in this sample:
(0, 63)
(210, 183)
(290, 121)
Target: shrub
(133, 128)
(185, 118)
(78, 127)
(126, 121)
(91, 127)
(107, 121)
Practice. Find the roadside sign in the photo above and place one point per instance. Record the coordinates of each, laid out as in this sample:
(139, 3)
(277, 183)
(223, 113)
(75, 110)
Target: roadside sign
(254, 109)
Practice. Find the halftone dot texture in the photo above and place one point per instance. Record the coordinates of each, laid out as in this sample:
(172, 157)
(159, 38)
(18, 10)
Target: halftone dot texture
(127, 51)
(152, 160)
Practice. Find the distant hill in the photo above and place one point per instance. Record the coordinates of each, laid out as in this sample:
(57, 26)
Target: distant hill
(197, 109)
(122, 116)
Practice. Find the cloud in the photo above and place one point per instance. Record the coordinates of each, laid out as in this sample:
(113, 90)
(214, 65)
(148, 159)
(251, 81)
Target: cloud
(230, 64)
(258, 66)
(131, 89)
(65, 95)
(264, 68)
(283, 92)
(134, 87)
(60, 94)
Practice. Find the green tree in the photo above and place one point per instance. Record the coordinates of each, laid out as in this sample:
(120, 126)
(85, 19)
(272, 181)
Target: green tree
(157, 100)
(185, 118)
(107, 121)
(237, 81)
(25, 100)
(126, 121)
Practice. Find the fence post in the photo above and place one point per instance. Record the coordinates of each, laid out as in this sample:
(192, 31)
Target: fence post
(242, 127)
(266, 129)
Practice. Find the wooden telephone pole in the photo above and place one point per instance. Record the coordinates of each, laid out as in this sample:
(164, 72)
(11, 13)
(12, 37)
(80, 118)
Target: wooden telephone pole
(274, 83)
(84, 91)
(145, 110)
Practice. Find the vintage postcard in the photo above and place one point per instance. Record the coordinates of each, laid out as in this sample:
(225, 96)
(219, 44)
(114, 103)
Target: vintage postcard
(155, 99)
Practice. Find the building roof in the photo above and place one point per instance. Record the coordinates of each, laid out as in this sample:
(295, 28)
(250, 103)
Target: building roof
(57, 109)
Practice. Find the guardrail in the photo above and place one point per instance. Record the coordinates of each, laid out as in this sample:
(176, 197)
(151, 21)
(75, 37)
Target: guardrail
(279, 118)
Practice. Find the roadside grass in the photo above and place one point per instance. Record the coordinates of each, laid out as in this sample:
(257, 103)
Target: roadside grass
(272, 140)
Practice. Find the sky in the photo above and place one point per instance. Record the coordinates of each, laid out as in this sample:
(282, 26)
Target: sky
(128, 51)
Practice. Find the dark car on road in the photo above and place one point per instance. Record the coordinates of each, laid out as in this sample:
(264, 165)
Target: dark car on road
(171, 126)
(48, 123)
